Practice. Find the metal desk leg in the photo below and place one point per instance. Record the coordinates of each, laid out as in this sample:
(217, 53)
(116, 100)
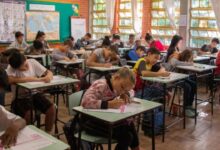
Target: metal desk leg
(212, 93)
(142, 92)
(184, 108)
(110, 137)
(164, 112)
(196, 97)
(79, 133)
(153, 129)
(56, 119)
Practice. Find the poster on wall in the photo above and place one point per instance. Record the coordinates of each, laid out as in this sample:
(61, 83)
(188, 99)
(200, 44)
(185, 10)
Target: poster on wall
(48, 22)
(78, 27)
(75, 9)
(12, 19)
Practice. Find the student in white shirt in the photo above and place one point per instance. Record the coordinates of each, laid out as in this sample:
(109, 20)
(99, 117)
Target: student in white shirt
(22, 70)
(10, 123)
(19, 42)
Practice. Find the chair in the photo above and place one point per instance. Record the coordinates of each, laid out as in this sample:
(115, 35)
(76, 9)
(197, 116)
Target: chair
(95, 141)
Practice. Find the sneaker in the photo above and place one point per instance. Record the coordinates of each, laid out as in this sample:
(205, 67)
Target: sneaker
(190, 113)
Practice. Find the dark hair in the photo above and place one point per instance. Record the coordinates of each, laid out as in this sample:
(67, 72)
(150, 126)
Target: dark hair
(106, 41)
(173, 44)
(216, 40)
(131, 35)
(142, 48)
(18, 34)
(16, 60)
(153, 50)
(39, 34)
(3, 79)
(148, 37)
(89, 35)
(71, 38)
(37, 44)
(185, 55)
(115, 36)
(113, 48)
(205, 48)
(68, 42)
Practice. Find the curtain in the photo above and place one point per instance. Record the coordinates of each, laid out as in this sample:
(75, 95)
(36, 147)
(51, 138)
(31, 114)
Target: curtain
(110, 9)
(169, 6)
(215, 5)
(135, 19)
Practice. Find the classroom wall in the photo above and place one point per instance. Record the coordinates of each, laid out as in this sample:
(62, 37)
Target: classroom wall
(146, 19)
(83, 12)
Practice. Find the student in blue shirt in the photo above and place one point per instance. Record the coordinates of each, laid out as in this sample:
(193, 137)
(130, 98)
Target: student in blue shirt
(137, 53)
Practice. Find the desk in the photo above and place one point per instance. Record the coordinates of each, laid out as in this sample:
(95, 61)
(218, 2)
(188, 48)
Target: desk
(201, 59)
(66, 65)
(56, 82)
(56, 145)
(174, 77)
(200, 70)
(131, 62)
(111, 119)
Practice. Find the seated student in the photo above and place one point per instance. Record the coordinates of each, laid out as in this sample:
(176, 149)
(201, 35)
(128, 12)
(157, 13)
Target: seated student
(174, 48)
(64, 53)
(112, 92)
(131, 41)
(84, 41)
(103, 57)
(106, 41)
(211, 48)
(185, 58)
(19, 42)
(154, 43)
(148, 67)
(10, 123)
(41, 37)
(136, 54)
(116, 41)
(73, 43)
(35, 49)
(22, 70)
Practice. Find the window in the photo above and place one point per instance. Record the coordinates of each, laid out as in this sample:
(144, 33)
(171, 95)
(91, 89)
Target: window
(125, 18)
(203, 25)
(160, 24)
(99, 21)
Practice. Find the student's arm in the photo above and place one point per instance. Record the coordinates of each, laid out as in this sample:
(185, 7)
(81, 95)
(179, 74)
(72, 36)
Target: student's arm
(92, 62)
(14, 80)
(12, 124)
(115, 60)
(56, 56)
(47, 76)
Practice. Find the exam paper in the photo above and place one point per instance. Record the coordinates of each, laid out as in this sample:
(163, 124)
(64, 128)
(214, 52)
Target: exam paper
(30, 139)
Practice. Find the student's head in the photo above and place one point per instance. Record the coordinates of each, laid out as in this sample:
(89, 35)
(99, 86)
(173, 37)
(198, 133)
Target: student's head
(205, 48)
(3, 79)
(88, 36)
(37, 45)
(140, 50)
(186, 56)
(40, 36)
(66, 45)
(115, 38)
(138, 43)
(19, 36)
(106, 41)
(71, 38)
(18, 61)
(176, 42)
(153, 55)
(123, 81)
(148, 38)
(214, 42)
(131, 38)
(110, 52)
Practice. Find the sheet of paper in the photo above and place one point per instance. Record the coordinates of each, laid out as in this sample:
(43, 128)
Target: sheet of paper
(130, 108)
(30, 139)
(55, 80)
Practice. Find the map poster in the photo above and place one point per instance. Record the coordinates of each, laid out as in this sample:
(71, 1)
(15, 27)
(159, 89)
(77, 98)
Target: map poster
(48, 22)
(75, 9)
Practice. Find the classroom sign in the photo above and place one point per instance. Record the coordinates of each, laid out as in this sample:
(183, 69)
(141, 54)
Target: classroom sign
(75, 9)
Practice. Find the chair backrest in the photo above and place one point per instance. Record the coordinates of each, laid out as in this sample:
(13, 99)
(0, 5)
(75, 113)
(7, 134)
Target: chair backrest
(75, 100)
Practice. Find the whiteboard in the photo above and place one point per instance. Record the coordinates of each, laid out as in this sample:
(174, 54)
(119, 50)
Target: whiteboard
(12, 19)
(78, 27)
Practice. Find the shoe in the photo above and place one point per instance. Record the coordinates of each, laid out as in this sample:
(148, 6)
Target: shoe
(189, 113)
